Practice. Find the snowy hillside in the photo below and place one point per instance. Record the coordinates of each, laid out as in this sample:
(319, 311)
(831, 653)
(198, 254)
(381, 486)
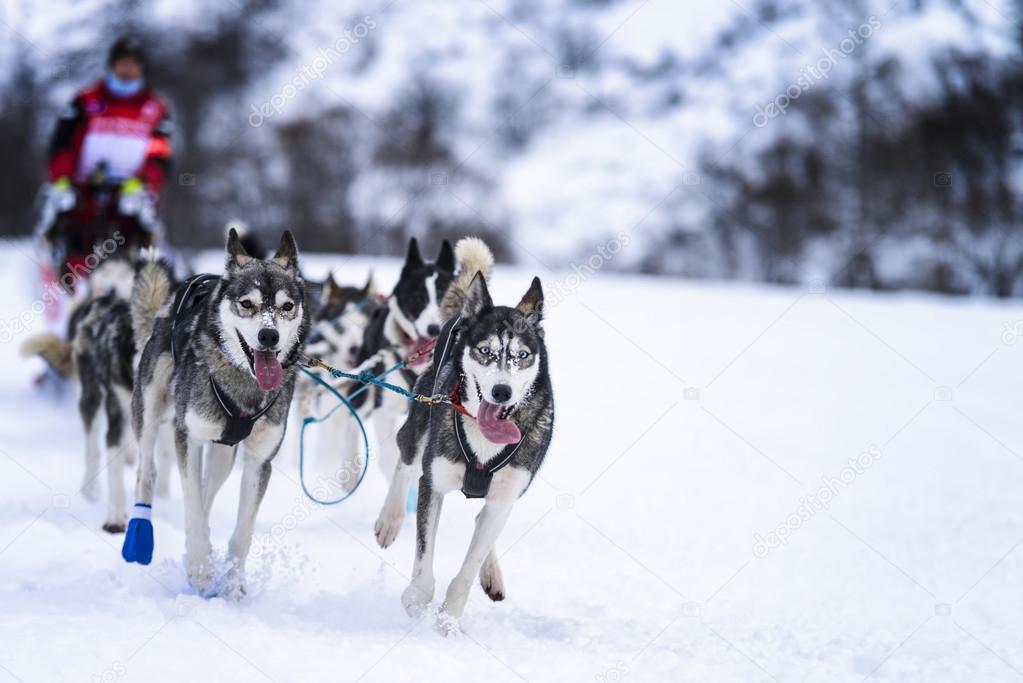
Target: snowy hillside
(871, 144)
(697, 425)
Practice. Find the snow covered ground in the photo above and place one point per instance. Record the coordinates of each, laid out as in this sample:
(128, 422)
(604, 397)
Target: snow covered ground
(697, 425)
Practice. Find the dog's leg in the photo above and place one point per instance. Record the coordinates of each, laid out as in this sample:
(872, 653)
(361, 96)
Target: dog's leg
(120, 446)
(255, 479)
(197, 530)
(219, 460)
(392, 513)
(165, 455)
(420, 591)
(148, 408)
(489, 523)
(88, 407)
(491, 577)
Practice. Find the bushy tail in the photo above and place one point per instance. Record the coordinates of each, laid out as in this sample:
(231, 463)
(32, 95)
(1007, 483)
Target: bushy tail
(473, 256)
(52, 349)
(153, 287)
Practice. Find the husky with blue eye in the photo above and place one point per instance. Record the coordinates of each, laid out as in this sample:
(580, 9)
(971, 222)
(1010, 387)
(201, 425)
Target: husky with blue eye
(220, 366)
(492, 362)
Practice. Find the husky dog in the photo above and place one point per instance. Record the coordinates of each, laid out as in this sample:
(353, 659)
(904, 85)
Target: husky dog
(410, 318)
(220, 365)
(340, 322)
(492, 361)
(99, 350)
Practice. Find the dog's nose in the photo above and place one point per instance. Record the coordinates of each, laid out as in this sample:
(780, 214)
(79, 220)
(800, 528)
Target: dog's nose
(268, 337)
(433, 330)
(501, 393)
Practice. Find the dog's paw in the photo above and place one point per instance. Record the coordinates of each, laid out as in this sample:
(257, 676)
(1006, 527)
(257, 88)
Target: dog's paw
(447, 625)
(200, 577)
(114, 527)
(90, 490)
(492, 581)
(415, 599)
(387, 526)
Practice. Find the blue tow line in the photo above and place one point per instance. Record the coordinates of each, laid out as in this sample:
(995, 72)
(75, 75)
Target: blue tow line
(316, 420)
(366, 379)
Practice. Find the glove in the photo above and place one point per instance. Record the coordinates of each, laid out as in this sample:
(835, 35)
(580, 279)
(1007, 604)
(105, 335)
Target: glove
(61, 195)
(132, 197)
(136, 200)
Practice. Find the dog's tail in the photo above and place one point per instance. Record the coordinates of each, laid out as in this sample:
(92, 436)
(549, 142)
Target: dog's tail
(473, 256)
(153, 287)
(52, 349)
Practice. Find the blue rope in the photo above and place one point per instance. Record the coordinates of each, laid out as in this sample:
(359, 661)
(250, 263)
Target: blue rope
(367, 379)
(316, 420)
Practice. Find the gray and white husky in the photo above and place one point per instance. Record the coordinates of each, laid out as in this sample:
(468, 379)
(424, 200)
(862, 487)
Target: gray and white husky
(492, 361)
(220, 365)
(336, 337)
(99, 351)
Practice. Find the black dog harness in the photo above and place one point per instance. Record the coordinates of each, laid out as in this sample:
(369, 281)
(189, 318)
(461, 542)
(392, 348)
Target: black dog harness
(478, 475)
(191, 294)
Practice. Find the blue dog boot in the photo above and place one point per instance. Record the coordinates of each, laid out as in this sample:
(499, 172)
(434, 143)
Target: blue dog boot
(413, 498)
(138, 540)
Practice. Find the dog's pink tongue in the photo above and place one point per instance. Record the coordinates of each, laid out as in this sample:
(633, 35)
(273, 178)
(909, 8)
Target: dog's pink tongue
(269, 372)
(496, 430)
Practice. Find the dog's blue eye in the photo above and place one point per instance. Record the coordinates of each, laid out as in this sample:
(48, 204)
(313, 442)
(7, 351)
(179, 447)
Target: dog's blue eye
(485, 350)
(246, 303)
(523, 354)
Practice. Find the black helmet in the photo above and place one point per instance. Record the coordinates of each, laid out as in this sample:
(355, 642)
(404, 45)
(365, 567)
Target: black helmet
(127, 46)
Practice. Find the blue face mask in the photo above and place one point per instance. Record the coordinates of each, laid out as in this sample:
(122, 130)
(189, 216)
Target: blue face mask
(120, 87)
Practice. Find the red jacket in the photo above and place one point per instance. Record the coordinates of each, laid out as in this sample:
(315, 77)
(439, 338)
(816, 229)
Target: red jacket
(131, 134)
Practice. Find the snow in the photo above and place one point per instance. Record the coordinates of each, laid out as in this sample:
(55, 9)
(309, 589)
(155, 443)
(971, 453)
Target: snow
(690, 419)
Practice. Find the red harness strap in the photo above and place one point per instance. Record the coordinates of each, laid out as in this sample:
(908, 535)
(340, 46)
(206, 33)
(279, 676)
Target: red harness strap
(456, 401)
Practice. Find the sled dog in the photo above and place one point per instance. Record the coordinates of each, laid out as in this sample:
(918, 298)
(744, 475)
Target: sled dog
(220, 366)
(99, 351)
(492, 362)
(409, 318)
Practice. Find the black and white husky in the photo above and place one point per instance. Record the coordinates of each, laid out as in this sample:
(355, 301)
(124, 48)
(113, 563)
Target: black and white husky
(492, 361)
(99, 351)
(410, 318)
(220, 365)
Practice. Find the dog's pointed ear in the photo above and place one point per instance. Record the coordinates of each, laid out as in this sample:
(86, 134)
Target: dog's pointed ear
(531, 305)
(287, 252)
(236, 254)
(369, 289)
(413, 259)
(330, 287)
(446, 258)
(477, 298)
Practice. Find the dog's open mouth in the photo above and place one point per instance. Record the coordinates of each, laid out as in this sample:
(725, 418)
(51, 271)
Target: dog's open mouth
(264, 366)
(493, 421)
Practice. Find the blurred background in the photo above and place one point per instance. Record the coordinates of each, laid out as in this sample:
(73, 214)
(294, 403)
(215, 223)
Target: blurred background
(845, 143)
